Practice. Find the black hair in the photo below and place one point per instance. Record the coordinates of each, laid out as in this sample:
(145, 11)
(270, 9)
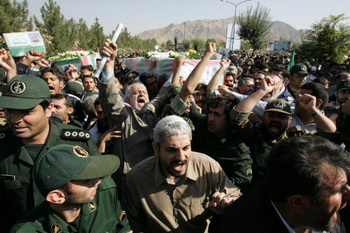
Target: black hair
(317, 90)
(146, 75)
(227, 100)
(87, 67)
(201, 86)
(88, 76)
(97, 102)
(69, 101)
(45, 103)
(294, 166)
(321, 80)
(55, 71)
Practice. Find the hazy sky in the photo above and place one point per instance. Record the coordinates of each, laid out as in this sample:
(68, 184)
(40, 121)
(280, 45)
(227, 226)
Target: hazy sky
(140, 15)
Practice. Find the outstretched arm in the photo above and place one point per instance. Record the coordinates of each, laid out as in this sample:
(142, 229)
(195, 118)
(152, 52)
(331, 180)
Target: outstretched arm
(193, 79)
(111, 102)
(224, 64)
(178, 62)
(110, 50)
(7, 62)
(247, 104)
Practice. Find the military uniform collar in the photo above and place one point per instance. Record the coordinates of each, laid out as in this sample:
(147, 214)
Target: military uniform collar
(283, 136)
(54, 135)
(57, 225)
(50, 142)
(24, 156)
(87, 209)
(160, 178)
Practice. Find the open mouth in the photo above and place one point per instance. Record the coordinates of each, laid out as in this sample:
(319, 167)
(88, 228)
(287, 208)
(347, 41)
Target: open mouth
(141, 101)
(178, 166)
(51, 88)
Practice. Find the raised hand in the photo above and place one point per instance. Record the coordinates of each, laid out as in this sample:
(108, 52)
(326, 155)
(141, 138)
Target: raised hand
(8, 63)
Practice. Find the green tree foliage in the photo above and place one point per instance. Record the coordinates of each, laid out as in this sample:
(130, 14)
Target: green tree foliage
(210, 41)
(83, 35)
(186, 44)
(327, 40)
(255, 26)
(198, 44)
(125, 40)
(169, 43)
(220, 43)
(59, 34)
(14, 16)
(97, 36)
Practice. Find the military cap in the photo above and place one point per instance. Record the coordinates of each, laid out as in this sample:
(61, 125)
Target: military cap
(299, 68)
(64, 163)
(24, 92)
(343, 85)
(73, 87)
(278, 105)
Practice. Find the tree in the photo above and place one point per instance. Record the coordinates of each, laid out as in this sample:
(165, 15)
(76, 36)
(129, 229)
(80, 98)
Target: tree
(83, 35)
(255, 26)
(97, 37)
(327, 40)
(169, 43)
(210, 41)
(14, 16)
(59, 34)
(124, 39)
(186, 44)
(198, 44)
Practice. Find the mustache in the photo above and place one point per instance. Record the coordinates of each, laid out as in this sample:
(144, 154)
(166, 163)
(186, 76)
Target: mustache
(274, 123)
(179, 161)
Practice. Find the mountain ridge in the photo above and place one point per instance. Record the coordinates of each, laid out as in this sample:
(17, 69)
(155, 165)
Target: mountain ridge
(213, 29)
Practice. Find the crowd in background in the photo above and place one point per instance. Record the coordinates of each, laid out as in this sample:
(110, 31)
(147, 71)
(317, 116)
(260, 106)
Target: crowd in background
(251, 104)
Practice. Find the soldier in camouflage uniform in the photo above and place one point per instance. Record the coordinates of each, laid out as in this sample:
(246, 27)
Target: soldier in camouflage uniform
(27, 104)
(79, 196)
(261, 136)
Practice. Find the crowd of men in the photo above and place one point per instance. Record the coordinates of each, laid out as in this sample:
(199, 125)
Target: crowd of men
(259, 148)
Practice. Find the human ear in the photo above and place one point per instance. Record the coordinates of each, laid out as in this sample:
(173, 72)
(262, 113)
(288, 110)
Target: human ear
(70, 110)
(48, 110)
(56, 197)
(319, 102)
(155, 148)
(298, 203)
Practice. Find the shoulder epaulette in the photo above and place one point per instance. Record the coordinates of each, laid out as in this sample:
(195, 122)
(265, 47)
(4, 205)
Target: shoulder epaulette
(75, 134)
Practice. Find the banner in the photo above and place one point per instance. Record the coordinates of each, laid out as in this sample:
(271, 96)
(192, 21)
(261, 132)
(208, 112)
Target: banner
(166, 66)
(21, 42)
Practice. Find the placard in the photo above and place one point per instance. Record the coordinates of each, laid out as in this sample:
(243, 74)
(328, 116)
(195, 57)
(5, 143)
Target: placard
(21, 42)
